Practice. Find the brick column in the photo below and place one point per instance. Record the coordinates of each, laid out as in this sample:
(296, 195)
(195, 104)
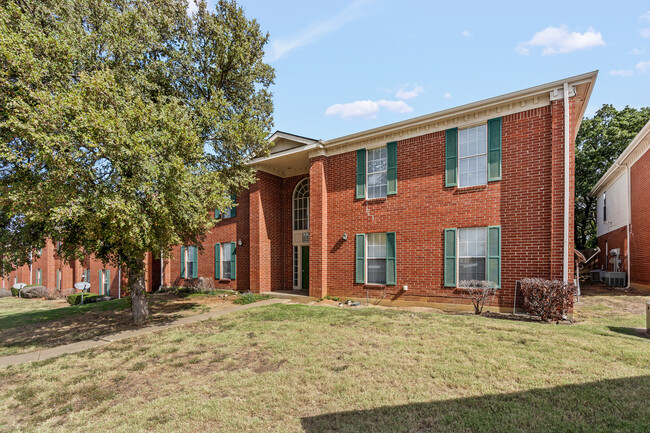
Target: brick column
(318, 227)
(557, 190)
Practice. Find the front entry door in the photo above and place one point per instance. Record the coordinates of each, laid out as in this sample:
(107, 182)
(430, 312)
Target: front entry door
(305, 267)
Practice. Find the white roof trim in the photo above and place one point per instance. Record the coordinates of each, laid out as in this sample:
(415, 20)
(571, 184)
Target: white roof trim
(287, 152)
(589, 77)
(291, 137)
(627, 158)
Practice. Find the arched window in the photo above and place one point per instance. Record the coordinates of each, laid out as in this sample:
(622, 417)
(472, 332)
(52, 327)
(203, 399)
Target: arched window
(301, 205)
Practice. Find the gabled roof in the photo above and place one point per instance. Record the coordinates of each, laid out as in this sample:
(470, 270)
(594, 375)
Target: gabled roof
(637, 147)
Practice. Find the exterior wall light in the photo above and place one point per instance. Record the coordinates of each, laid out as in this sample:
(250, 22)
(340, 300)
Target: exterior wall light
(240, 243)
(345, 236)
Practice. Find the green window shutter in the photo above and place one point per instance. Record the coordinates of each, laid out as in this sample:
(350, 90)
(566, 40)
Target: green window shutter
(450, 257)
(195, 259)
(451, 157)
(360, 262)
(391, 259)
(100, 289)
(494, 149)
(392, 167)
(108, 286)
(233, 210)
(217, 261)
(494, 255)
(233, 261)
(361, 173)
(182, 262)
(217, 214)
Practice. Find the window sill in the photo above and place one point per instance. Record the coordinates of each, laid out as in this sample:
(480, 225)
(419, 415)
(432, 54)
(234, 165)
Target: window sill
(470, 189)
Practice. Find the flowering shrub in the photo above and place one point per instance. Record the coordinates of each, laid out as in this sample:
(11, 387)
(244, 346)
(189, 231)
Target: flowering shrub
(550, 300)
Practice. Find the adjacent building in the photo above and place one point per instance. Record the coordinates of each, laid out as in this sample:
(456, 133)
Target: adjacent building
(623, 213)
(408, 211)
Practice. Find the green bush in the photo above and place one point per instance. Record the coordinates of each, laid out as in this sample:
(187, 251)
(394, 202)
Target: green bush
(249, 298)
(75, 299)
(15, 292)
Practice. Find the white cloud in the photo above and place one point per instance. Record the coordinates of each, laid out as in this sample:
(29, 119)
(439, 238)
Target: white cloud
(559, 40)
(447, 95)
(315, 31)
(635, 51)
(621, 72)
(643, 66)
(644, 33)
(403, 93)
(645, 17)
(466, 33)
(366, 109)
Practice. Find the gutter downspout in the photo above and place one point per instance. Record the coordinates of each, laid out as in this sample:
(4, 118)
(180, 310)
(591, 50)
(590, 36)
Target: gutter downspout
(567, 132)
(629, 223)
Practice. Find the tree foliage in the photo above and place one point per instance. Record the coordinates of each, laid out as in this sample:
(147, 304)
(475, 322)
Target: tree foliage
(124, 122)
(600, 141)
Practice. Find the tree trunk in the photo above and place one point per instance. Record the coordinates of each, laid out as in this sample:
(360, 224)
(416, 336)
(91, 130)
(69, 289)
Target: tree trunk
(139, 305)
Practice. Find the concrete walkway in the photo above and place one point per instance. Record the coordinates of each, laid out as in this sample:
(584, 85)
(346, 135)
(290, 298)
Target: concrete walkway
(53, 352)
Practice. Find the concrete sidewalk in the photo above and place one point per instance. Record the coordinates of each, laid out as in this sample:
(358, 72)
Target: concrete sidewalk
(42, 355)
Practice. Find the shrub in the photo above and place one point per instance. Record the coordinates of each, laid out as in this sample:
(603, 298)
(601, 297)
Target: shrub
(479, 292)
(203, 285)
(35, 292)
(75, 299)
(4, 293)
(550, 300)
(15, 292)
(249, 298)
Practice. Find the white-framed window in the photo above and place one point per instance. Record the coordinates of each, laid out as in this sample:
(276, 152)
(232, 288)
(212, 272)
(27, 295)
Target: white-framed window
(226, 257)
(472, 156)
(105, 281)
(377, 172)
(472, 253)
(301, 205)
(605, 207)
(376, 262)
(191, 259)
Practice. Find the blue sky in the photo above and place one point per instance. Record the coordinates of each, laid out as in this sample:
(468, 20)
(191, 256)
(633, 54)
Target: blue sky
(344, 66)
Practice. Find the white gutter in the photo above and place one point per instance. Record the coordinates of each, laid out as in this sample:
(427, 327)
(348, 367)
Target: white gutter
(567, 131)
(629, 222)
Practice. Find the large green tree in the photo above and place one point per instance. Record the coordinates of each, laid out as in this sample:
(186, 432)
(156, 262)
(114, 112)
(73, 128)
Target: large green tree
(124, 122)
(600, 140)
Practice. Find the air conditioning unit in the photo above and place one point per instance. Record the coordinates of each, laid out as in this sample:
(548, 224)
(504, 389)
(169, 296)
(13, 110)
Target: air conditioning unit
(615, 279)
(597, 275)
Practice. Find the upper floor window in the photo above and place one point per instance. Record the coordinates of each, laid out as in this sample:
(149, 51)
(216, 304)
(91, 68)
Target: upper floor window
(472, 156)
(301, 205)
(604, 207)
(377, 173)
(230, 212)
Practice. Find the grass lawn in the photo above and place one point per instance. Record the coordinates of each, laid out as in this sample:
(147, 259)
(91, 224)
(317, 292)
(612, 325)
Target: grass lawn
(319, 369)
(30, 324)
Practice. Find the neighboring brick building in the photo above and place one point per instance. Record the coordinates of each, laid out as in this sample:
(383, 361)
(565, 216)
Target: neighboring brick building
(406, 211)
(623, 212)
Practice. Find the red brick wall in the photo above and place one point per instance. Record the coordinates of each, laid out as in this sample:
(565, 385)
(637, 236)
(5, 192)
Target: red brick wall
(521, 203)
(640, 228)
(614, 239)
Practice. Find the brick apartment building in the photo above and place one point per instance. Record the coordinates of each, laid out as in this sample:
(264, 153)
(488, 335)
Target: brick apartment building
(406, 211)
(623, 212)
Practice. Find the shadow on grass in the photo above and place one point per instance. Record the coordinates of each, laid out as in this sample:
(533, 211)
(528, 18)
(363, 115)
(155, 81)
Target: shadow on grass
(608, 405)
(50, 328)
(634, 332)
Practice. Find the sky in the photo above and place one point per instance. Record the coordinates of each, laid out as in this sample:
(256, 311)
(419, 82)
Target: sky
(345, 66)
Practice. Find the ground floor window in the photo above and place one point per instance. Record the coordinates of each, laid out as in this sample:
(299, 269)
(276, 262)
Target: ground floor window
(376, 261)
(189, 261)
(295, 266)
(104, 281)
(225, 261)
(472, 253)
